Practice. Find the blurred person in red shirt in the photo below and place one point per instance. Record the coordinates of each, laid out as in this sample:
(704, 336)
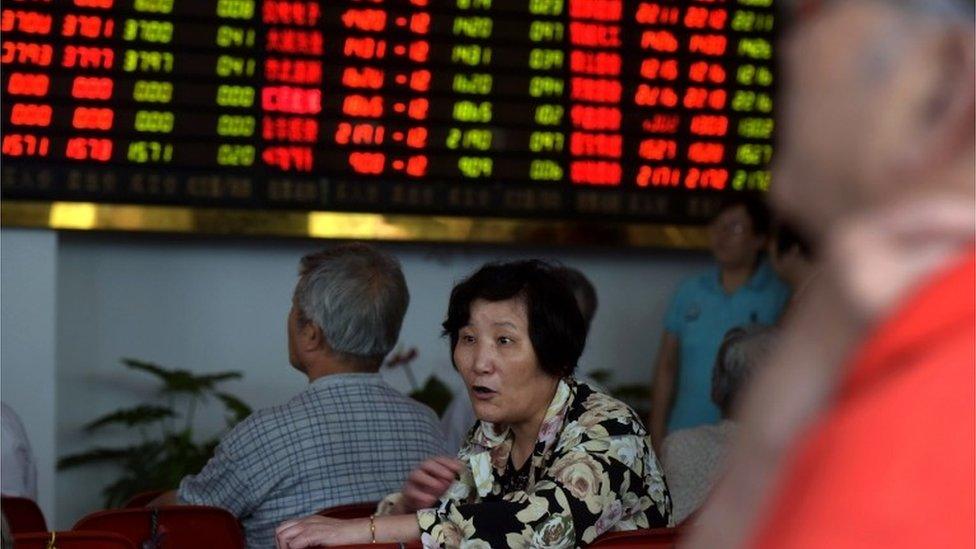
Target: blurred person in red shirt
(861, 433)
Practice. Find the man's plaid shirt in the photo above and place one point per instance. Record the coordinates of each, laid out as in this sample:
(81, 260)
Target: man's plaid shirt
(347, 438)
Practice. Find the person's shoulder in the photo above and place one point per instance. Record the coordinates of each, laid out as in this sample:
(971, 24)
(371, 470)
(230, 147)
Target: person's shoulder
(595, 408)
(701, 280)
(768, 281)
(244, 437)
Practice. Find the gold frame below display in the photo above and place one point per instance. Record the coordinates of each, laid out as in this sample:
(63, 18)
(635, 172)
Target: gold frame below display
(91, 216)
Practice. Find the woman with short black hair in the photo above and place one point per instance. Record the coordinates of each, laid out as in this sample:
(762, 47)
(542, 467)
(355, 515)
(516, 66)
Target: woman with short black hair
(550, 463)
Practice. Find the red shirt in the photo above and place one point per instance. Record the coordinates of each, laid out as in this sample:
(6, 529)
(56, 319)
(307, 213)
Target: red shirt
(893, 463)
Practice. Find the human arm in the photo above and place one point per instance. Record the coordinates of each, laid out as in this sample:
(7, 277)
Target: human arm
(315, 530)
(662, 388)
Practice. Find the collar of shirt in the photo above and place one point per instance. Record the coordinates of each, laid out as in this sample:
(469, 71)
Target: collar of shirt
(336, 380)
(757, 282)
(489, 437)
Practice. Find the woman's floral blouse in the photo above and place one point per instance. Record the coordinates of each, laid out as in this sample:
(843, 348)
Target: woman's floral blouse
(592, 471)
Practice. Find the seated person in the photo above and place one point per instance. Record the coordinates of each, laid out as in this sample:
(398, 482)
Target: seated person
(551, 462)
(348, 437)
(694, 459)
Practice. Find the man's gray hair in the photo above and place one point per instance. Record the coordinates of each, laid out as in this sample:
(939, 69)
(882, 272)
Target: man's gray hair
(742, 350)
(357, 296)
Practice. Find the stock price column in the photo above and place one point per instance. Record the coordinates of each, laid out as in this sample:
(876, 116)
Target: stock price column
(291, 95)
(236, 69)
(595, 144)
(752, 24)
(656, 95)
(471, 134)
(706, 97)
(86, 56)
(148, 39)
(547, 61)
(27, 55)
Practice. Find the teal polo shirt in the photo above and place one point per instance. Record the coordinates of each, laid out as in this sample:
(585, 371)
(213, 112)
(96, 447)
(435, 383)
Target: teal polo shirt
(700, 314)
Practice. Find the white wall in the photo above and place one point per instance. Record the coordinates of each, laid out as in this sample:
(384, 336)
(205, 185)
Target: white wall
(219, 304)
(28, 298)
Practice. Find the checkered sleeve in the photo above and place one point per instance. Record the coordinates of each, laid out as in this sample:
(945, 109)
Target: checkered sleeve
(223, 482)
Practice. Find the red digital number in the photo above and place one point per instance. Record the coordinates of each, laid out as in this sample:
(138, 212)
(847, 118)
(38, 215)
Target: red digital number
(29, 114)
(28, 84)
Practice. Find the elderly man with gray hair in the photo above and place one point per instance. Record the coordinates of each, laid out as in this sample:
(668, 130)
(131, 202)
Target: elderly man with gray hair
(348, 437)
(694, 458)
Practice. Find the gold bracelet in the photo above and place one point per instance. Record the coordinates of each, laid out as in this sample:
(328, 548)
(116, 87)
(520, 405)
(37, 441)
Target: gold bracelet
(372, 528)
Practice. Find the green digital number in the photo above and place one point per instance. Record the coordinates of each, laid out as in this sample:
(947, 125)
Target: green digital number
(153, 6)
(154, 121)
(148, 31)
(545, 170)
(235, 96)
(546, 142)
(235, 155)
(472, 27)
(469, 111)
(475, 166)
(479, 84)
(229, 125)
(235, 9)
(151, 91)
(549, 115)
(546, 7)
(141, 152)
(545, 60)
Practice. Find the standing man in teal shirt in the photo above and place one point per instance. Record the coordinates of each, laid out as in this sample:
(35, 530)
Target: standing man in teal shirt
(741, 289)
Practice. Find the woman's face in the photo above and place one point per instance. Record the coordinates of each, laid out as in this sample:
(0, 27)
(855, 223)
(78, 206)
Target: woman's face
(494, 355)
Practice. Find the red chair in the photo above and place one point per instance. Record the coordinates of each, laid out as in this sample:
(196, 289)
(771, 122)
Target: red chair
(351, 511)
(142, 499)
(177, 527)
(657, 538)
(72, 540)
(23, 515)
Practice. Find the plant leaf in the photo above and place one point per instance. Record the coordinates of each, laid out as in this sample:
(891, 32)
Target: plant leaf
(130, 417)
(94, 456)
(434, 394)
(238, 409)
(181, 381)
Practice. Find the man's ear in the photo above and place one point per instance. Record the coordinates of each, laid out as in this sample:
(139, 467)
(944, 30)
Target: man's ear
(945, 121)
(311, 337)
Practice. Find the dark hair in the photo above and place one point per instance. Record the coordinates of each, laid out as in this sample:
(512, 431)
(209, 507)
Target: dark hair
(583, 291)
(556, 326)
(755, 207)
(786, 237)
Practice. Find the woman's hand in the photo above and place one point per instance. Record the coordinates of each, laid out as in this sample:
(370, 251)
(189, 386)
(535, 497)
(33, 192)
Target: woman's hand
(315, 530)
(428, 482)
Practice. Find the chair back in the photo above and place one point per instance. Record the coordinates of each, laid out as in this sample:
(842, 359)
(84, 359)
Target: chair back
(351, 511)
(72, 540)
(174, 527)
(23, 515)
(142, 499)
(657, 538)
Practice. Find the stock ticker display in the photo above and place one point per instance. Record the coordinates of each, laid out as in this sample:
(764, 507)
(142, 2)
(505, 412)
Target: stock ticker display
(554, 108)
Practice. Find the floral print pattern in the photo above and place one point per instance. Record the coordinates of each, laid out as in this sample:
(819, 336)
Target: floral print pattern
(592, 471)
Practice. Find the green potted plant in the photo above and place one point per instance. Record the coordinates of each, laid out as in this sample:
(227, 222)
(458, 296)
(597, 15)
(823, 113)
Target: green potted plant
(166, 450)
